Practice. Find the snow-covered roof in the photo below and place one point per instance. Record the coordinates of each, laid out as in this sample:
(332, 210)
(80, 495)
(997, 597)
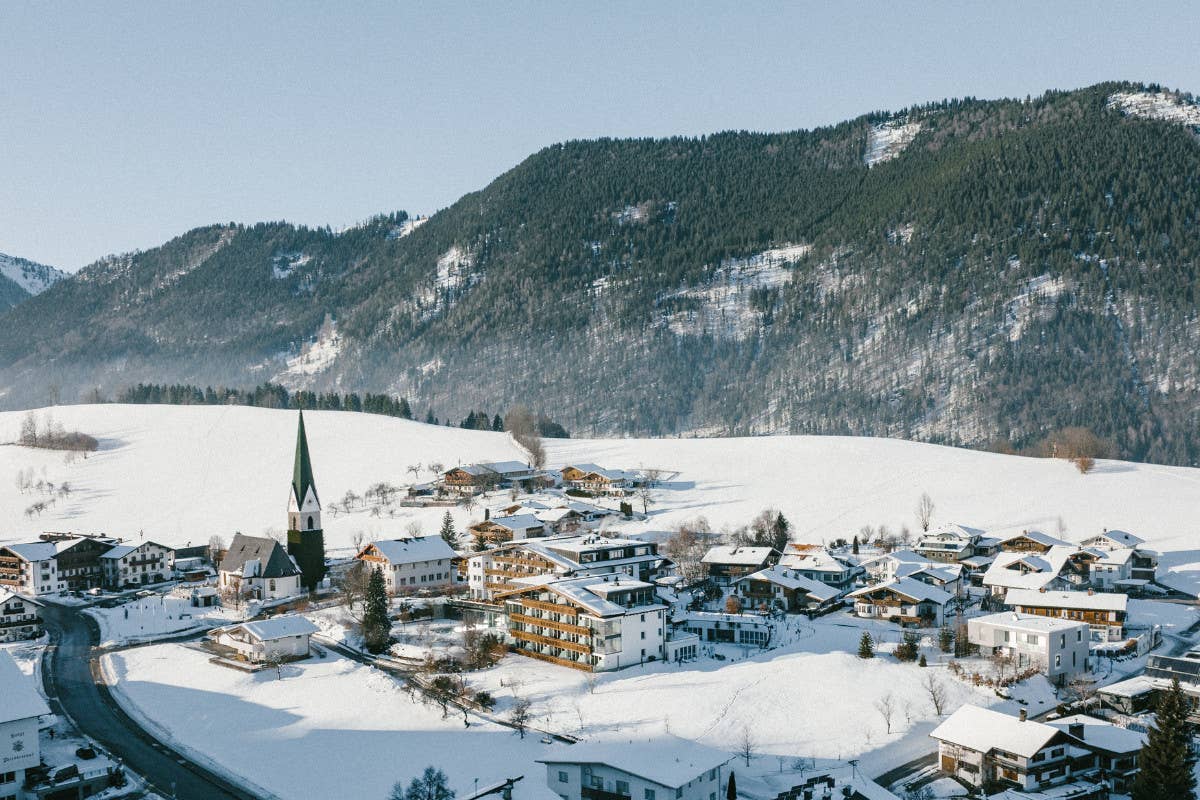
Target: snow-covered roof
(953, 530)
(666, 760)
(1083, 601)
(21, 699)
(1122, 538)
(907, 587)
(589, 591)
(33, 551)
(267, 630)
(736, 554)
(1033, 623)
(413, 549)
(273, 560)
(1036, 536)
(607, 474)
(984, 730)
(506, 467)
(1099, 733)
(944, 573)
(816, 560)
(518, 522)
(120, 551)
(1027, 570)
(789, 579)
(1121, 555)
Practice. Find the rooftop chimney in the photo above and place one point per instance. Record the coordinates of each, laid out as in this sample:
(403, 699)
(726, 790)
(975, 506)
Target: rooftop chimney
(1076, 729)
(1024, 715)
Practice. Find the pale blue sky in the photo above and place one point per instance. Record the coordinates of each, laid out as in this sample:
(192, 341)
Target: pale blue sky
(122, 125)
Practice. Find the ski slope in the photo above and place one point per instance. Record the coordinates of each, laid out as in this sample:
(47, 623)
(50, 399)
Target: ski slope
(182, 474)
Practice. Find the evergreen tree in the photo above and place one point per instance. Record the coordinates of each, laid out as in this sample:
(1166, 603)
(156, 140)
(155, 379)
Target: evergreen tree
(731, 788)
(497, 423)
(866, 646)
(908, 648)
(376, 627)
(854, 546)
(1167, 761)
(448, 532)
(432, 785)
(946, 639)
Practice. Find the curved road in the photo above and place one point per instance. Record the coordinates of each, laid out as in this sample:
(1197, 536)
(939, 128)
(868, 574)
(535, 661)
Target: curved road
(72, 688)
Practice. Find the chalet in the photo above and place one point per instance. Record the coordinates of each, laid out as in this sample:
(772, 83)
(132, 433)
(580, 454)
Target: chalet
(818, 564)
(1111, 570)
(30, 568)
(727, 563)
(497, 570)
(1051, 570)
(784, 589)
(20, 617)
(472, 478)
(20, 748)
(661, 768)
(1113, 540)
(259, 568)
(1143, 564)
(421, 562)
(592, 623)
(1030, 542)
(948, 543)
(78, 558)
(469, 478)
(1059, 647)
(1104, 612)
(593, 478)
(904, 600)
(285, 638)
(136, 565)
(508, 529)
(981, 747)
(909, 564)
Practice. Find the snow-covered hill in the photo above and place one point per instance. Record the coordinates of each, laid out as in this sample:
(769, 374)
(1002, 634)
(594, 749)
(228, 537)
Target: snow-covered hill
(32, 277)
(182, 474)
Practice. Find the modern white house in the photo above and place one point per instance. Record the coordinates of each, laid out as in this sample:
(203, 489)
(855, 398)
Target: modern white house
(259, 568)
(662, 768)
(1059, 647)
(19, 712)
(20, 617)
(137, 564)
(285, 637)
(418, 562)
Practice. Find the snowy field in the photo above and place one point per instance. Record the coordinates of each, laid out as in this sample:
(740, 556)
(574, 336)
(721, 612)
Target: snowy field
(182, 474)
(156, 617)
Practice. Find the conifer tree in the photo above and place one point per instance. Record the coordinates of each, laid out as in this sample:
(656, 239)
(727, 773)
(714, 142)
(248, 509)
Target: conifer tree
(946, 639)
(448, 532)
(1167, 761)
(376, 627)
(854, 546)
(866, 646)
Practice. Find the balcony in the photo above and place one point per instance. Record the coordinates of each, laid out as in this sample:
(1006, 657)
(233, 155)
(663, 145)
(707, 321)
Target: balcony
(564, 627)
(548, 641)
(589, 793)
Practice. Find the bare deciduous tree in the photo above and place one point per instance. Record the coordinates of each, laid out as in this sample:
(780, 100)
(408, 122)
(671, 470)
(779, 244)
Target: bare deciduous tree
(747, 747)
(925, 510)
(886, 706)
(935, 689)
(518, 715)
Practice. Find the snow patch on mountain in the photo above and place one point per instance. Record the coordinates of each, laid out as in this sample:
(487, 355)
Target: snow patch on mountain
(406, 227)
(1037, 294)
(1165, 106)
(316, 356)
(888, 140)
(733, 304)
(31, 276)
(454, 268)
(284, 264)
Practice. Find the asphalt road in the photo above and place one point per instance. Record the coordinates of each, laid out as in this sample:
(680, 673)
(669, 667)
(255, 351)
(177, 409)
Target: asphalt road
(67, 676)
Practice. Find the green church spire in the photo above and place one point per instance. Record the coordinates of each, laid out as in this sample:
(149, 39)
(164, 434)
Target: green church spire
(302, 474)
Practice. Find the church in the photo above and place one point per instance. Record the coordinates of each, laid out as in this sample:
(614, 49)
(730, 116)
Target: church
(305, 539)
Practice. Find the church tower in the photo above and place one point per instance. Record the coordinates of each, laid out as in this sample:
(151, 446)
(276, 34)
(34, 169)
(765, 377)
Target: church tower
(305, 539)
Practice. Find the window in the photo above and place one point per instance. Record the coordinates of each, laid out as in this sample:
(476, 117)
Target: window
(712, 774)
(597, 782)
(310, 520)
(643, 634)
(562, 776)
(1058, 660)
(623, 788)
(679, 793)
(648, 794)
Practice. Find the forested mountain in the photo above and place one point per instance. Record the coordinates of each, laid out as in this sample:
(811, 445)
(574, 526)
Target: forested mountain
(960, 272)
(21, 279)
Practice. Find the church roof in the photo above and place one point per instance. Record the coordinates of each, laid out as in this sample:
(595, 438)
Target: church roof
(273, 560)
(302, 474)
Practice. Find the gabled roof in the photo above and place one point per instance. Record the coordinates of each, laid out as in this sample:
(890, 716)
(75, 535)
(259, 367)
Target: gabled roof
(1124, 538)
(1036, 536)
(1027, 570)
(120, 551)
(789, 579)
(506, 467)
(517, 522)
(33, 551)
(7, 594)
(665, 760)
(1082, 601)
(1101, 734)
(21, 699)
(984, 730)
(737, 554)
(411, 550)
(273, 560)
(302, 474)
(908, 588)
(818, 560)
(267, 630)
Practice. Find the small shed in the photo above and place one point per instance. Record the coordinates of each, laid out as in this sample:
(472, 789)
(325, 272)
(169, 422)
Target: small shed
(285, 637)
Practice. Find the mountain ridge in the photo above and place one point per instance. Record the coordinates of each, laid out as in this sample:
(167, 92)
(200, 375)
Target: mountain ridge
(958, 272)
(21, 279)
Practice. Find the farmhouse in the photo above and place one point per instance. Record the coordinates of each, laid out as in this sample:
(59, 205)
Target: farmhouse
(1030, 542)
(20, 617)
(30, 568)
(508, 529)
(285, 638)
(784, 589)
(593, 478)
(818, 564)
(136, 565)
(592, 623)
(949, 543)
(260, 568)
(1104, 612)
(1031, 570)
(471, 478)
(980, 746)
(727, 563)
(411, 563)
(904, 600)
(1143, 563)
(662, 768)
(1059, 647)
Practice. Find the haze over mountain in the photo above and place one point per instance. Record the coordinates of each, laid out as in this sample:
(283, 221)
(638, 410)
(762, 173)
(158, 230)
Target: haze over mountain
(960, 272)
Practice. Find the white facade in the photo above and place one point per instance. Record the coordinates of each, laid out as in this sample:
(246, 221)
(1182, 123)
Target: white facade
(20, 618)
(1060, 647)
(135, 565)
(19, 712)
(283, 637)
(493, 571)
(31, 569)
(422, 562)
(262, 588)
(665, 768)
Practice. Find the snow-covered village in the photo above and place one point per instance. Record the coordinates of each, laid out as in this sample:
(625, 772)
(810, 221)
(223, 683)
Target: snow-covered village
(288, 601)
